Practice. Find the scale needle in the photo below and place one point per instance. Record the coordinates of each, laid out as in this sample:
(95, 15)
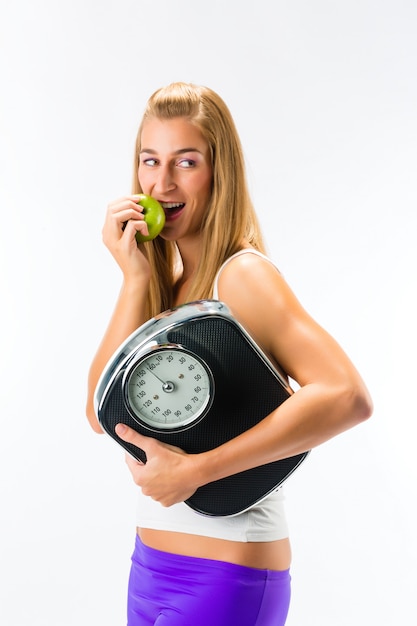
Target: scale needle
(166, 385)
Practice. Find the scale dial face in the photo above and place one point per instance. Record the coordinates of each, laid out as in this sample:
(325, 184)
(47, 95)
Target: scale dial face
(169, 388)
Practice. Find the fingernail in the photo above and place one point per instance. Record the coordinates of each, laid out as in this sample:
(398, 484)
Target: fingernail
(120, 429)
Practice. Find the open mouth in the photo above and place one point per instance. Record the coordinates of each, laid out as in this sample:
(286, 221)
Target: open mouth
(172, 209)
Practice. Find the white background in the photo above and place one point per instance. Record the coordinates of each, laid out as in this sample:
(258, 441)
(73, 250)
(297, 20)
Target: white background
(324, 96)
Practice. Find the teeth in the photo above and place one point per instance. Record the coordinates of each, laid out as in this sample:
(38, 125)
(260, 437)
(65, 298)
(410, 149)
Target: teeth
(172, 205)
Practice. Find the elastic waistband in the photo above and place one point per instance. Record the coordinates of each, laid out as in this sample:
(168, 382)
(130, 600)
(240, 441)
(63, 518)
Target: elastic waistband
(170, 564)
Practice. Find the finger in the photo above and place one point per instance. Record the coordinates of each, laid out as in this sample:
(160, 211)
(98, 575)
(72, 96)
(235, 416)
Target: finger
(134, 226)
(122, 210)
(131, 436)
(121, 219)
(133, 463)
(127, 202)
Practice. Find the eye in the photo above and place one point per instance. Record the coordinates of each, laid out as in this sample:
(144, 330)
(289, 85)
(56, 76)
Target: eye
(150, 162)
(186, 163)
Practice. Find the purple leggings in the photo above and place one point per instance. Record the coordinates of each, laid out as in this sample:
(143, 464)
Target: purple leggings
(173, 590)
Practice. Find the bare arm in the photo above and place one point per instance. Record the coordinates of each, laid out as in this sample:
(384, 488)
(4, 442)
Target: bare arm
(332, 396)
(129, 312)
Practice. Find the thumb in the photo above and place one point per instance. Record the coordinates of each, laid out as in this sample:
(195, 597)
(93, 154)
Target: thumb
(130, 436)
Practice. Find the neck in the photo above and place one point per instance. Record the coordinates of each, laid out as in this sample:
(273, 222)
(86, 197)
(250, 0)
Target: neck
(190, 252)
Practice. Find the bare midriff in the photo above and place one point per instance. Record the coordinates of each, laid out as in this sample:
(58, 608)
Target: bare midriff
(272, 555)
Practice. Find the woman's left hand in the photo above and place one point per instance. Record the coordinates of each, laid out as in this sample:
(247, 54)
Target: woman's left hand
(169, 476)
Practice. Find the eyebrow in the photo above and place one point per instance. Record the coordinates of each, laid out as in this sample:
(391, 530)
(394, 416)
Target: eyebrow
(180, 151)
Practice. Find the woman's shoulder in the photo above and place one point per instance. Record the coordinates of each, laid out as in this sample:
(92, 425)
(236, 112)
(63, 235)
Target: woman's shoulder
(247, 255)
(256, 293)
(241, 265)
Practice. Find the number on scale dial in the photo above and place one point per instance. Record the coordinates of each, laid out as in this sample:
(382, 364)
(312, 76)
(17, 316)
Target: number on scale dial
(169, 389)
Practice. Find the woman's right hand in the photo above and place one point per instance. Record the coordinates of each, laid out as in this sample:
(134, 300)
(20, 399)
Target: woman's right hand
(124, 218)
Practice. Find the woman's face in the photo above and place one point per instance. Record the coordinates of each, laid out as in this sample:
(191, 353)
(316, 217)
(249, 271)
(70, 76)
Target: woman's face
(175, 168)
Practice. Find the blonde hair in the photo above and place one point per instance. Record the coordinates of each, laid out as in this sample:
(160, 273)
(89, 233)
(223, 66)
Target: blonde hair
(230, 221)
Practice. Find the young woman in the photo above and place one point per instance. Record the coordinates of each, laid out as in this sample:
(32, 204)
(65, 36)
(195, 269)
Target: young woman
(189, 569)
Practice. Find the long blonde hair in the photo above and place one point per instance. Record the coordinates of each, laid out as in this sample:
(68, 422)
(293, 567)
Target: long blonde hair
(230, 219)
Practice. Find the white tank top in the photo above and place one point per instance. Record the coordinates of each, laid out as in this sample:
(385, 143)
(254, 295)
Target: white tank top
(264, 521)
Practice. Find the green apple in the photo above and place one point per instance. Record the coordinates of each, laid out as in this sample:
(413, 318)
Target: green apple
(154, 217)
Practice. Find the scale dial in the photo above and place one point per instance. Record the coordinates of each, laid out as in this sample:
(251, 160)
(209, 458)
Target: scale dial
(168, 389)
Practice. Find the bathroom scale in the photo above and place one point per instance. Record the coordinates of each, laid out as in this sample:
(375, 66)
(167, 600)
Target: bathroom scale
(194, 378)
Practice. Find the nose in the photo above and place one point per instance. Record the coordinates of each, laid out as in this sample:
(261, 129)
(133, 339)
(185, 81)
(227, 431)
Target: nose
(164, 179)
